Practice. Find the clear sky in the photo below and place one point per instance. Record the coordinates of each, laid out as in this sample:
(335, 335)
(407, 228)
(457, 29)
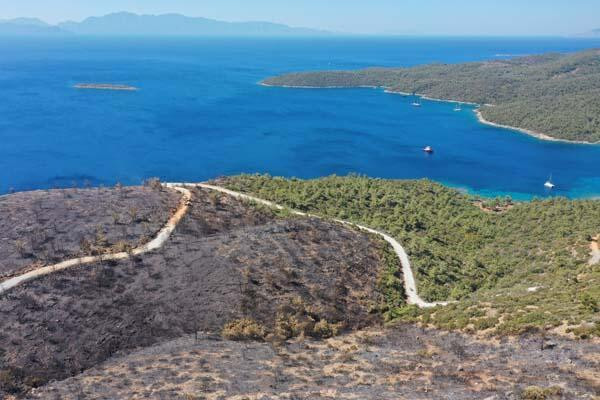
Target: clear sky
(445, 17)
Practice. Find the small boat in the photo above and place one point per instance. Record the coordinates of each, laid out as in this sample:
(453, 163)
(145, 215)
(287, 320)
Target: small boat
(417, 102)
(549, 184)
(428, 150)
(458, 107)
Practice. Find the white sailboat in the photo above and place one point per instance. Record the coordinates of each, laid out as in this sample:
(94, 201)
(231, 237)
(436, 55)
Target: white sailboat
(428, 149)
(417, 102)
(458, 107)
(549, 184)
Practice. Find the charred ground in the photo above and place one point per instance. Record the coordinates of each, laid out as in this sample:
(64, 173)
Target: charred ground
(45, 227)
(402, 362)
(226, 261)
(244, 302)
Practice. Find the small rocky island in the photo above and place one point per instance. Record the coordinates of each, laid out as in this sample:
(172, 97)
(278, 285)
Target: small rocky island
(104, 86)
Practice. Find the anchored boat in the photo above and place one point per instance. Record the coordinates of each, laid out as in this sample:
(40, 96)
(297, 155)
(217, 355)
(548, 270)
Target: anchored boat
(417, 102)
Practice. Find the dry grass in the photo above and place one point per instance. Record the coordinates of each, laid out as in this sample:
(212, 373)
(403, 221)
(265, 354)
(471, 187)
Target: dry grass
(399, 363)
(243, 329)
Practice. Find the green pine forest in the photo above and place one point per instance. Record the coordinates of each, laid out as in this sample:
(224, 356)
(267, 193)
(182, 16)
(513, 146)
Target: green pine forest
(487, 260)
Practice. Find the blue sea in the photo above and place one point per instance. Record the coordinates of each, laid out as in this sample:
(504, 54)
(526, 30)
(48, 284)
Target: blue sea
(200, 113)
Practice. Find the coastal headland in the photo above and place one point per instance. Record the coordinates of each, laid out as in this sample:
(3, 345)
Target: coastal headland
(550, 96)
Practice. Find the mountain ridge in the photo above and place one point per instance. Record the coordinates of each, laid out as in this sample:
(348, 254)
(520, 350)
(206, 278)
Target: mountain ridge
(171, 24)
(28, 27)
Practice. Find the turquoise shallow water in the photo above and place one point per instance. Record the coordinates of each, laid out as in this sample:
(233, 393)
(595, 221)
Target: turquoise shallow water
(200, 114)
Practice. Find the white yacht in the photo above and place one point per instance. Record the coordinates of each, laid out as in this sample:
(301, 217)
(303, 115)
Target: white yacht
(458, 107)
(417, 102)
(428, 149)
(549, 184)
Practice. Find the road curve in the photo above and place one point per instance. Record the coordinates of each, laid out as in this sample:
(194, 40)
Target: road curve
(409, 278)
(156, 243)
(165, 233)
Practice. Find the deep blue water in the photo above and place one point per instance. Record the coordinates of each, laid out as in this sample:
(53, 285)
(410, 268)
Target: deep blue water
(200, 114)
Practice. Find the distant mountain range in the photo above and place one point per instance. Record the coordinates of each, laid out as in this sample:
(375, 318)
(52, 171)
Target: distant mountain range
(28, 27)
(128, 24)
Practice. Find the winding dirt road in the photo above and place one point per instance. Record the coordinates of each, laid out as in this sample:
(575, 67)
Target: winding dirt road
(165, 233)
(156, 243)
(409, 279)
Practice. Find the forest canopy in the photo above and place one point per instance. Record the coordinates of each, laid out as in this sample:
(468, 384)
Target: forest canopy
(461, 251)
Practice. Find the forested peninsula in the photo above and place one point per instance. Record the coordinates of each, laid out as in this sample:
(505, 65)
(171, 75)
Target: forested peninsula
(553, 96)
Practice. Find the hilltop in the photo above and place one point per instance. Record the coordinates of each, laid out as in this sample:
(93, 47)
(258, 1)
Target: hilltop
(557, 95)
(248, 300)
(227, 262)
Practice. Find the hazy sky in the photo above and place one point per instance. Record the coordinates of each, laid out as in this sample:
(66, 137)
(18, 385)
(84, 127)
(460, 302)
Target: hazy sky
(451, 17)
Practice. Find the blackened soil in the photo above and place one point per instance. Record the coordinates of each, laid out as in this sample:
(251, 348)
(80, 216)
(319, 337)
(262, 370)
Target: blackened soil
(45, 227)
(226, 260)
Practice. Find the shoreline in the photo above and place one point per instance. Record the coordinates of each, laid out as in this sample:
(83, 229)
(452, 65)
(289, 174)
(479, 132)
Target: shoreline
(480, 118)
(321, 87)
(537, 135)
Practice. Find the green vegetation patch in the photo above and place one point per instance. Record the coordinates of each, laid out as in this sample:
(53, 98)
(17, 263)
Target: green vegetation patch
(244, 329)
(523, 269)
(537, 393)
(391, 284)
